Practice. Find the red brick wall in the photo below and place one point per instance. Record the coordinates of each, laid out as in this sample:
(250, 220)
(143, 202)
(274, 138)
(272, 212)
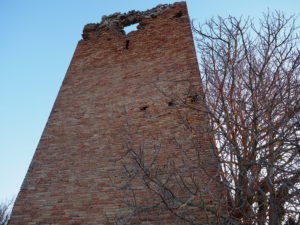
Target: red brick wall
(71, 177)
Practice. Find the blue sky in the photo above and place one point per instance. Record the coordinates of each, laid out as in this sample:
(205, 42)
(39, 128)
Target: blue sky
(37, 42)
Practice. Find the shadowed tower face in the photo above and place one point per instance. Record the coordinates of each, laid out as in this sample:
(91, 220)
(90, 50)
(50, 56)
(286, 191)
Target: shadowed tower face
(120, 90)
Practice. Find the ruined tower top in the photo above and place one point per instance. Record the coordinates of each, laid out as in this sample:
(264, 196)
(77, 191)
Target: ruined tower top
(118, 21)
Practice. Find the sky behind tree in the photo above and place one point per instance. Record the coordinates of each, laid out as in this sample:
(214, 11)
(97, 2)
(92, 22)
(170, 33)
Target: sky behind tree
(37, 41)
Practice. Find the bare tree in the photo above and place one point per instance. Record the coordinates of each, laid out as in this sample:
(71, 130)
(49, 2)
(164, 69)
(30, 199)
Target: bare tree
(251, 80)
(250, 74)
(5, 212)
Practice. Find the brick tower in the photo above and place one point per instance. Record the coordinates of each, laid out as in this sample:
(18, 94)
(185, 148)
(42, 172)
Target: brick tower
(120, 90)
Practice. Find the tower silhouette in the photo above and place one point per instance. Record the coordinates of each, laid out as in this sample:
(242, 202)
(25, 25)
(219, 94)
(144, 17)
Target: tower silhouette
(121, 91)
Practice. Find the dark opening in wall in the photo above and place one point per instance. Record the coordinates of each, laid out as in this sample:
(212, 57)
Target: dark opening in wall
(178, 15)
(130, 28)
(194, 98)
(144, 108)
(127, 44)
(171, 103)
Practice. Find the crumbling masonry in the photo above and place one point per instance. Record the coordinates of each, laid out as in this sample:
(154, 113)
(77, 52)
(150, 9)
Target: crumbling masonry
(116, 85)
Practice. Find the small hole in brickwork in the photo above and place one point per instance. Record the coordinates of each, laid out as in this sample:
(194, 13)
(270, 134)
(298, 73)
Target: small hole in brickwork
(127, 44)
(132, 27)
(178, 15)
(144, 108)
(171, 103)
(194, 98)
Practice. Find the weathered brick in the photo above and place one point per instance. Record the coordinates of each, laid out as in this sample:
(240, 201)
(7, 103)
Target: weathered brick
(115, 83)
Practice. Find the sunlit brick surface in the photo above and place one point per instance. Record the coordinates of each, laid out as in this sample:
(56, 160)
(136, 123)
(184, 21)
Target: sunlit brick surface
(116, 84)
